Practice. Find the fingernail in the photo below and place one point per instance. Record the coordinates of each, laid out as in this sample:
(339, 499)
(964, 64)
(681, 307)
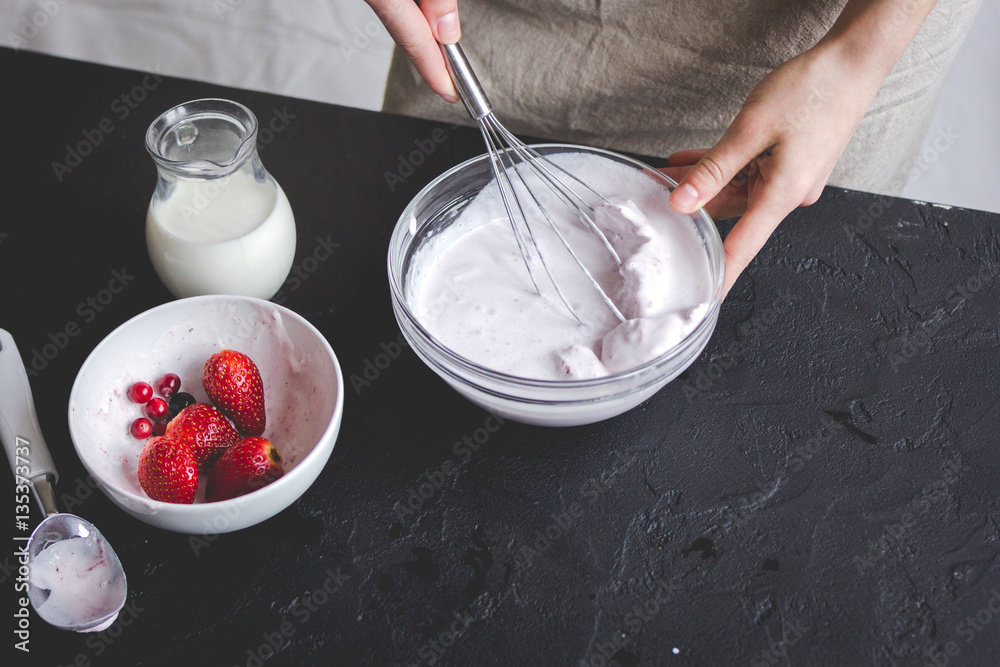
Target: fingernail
(447, 28)
(449, 98)
(684, 198)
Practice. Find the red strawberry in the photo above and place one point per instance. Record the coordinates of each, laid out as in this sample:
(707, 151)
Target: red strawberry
(205, 430)
(232, 381)
(168, 471)
(248, 465)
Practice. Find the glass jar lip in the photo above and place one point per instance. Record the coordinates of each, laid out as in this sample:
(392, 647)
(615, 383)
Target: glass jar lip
(208, 107)
(407, 221)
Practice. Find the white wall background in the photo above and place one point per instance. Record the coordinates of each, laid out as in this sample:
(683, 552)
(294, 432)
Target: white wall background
(336, 51)
(960, 160)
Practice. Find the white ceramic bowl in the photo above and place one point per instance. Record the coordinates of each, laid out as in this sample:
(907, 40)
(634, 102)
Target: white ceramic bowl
(303, 396)
(542, 402)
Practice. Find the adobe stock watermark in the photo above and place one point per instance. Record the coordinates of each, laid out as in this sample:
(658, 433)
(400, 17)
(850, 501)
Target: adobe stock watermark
(99, 642)
(957, 296)
(777, 652)
(601, 653)
(818, 97)
(866, 219)
(8, 569)
(895, 533)
(304, 269)
(238, 326)
(87, 310)
(748, 334)
(207, 192)
(944, 139)
(901, 15)
(363, 37)
(592, 490)
(374, 366)
(433, 650)
(219, 524)
(432, 480)
(801, 454)
(408, 163)
(20, 452)
(277, 122)
(967, 630)
(224, 520)
(33, 22)
(301, 610)
(81, 493)
(223, 8)
(120, 109)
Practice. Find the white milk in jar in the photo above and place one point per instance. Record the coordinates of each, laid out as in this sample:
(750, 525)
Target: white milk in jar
(218, 223)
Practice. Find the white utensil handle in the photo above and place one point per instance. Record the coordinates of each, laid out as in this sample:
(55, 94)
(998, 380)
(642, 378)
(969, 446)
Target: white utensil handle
(19, 429)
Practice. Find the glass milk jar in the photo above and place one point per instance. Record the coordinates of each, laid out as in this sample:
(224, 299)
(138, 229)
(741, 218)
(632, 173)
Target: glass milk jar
(218, 223)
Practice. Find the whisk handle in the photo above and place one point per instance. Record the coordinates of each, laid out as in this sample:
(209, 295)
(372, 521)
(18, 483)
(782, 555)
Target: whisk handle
(468, 86)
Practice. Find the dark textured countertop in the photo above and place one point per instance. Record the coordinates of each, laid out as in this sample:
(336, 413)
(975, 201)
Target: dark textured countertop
(819, 488)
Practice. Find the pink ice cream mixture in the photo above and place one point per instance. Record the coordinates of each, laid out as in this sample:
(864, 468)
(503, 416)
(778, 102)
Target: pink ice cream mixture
(469, 286)
(75, 582)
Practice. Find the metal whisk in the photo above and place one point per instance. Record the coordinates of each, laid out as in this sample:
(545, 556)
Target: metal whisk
(509, 157)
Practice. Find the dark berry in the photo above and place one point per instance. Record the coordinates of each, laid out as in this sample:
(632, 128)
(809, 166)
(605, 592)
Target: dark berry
(156, 409)
(168, 385)
(159, 428)
(179, 401)
(140, 393)
(141, 428)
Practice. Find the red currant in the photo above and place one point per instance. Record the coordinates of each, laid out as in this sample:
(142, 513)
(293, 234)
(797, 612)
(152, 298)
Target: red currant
(168, 385)
(156, 409)
(141, 428)
(140, 393)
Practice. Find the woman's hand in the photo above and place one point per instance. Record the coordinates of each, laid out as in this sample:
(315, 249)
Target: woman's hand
(417, 31)
(776, 155)
(780, 149)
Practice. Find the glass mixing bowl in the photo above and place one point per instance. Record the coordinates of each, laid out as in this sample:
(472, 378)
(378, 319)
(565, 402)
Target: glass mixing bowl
(543, 402)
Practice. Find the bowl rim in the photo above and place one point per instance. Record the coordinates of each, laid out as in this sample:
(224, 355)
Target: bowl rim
(275, 487)
(708, 319)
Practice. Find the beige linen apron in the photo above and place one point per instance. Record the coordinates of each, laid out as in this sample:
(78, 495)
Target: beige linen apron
(657, 76)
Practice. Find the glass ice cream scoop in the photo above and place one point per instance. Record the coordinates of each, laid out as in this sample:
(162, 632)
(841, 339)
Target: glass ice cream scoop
(75, 580)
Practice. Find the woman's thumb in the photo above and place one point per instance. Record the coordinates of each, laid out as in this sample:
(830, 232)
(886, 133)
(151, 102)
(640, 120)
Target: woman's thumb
(705, 180)
(716, 168)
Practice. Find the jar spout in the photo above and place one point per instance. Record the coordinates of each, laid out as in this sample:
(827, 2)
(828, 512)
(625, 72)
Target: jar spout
(205, 138)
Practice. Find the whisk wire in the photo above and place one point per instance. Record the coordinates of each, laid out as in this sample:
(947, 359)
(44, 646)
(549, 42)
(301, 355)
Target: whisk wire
(510, 159)
(501, 174)
(559, 234)
(541, 165)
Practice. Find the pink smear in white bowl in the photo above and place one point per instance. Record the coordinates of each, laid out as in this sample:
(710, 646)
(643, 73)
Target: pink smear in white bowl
(303, 397)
